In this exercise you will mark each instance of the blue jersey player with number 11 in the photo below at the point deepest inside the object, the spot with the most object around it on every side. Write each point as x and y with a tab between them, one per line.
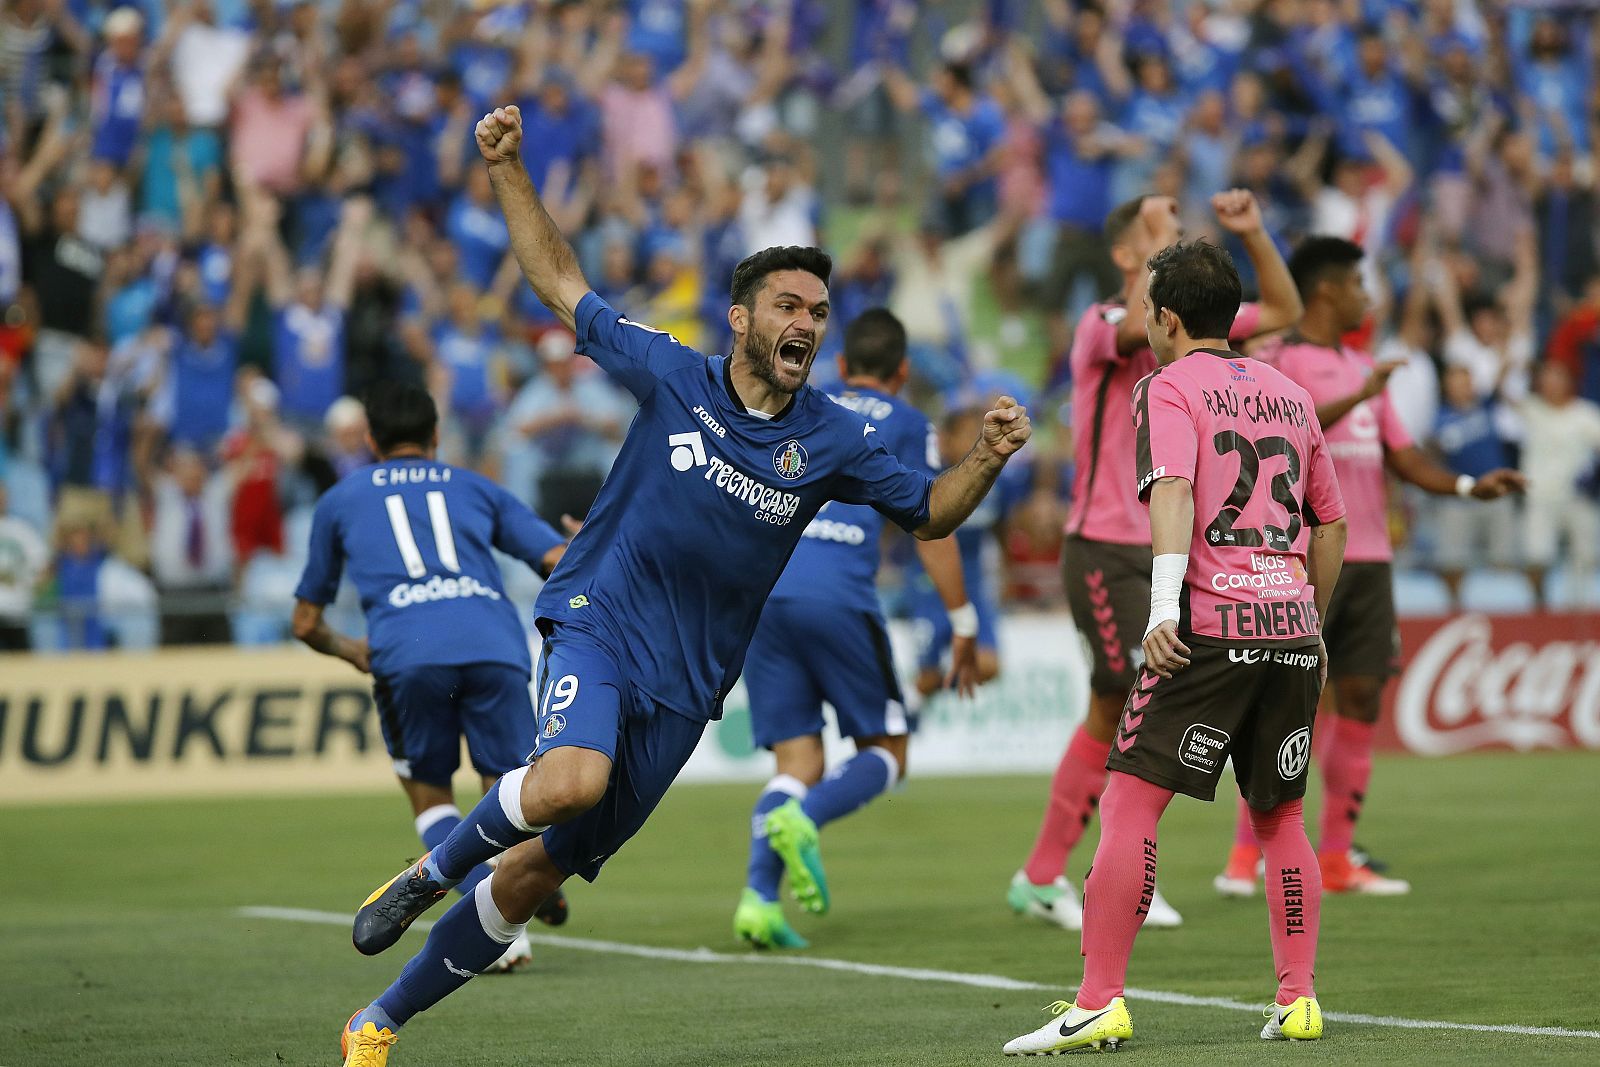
447	653
647	617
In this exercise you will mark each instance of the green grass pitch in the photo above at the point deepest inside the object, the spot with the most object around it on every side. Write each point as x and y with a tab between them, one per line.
121	941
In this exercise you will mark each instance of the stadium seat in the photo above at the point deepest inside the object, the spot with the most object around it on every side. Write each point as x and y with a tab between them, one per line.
266	599
1564	591
1497	591
29	489
128	604
1420	593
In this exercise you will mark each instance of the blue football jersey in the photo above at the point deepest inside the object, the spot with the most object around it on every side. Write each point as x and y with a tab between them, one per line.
415	536
702	509
837	559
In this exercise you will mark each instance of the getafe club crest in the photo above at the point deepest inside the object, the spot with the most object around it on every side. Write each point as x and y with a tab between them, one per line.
554	725
789	460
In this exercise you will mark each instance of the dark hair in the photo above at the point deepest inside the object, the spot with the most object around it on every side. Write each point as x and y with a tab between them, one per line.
1316	258
960	73
399	413
753	269
1123	216
1196	281
875	344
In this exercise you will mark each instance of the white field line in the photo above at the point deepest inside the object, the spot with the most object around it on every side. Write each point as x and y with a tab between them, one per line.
920	974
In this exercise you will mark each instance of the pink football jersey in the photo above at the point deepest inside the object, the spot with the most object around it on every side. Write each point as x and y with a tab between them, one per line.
1104	505
1247	439
1357	442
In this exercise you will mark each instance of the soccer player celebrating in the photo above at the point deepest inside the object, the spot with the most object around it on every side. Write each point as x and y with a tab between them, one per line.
1105	561
648	615
822	637
446	650
1239	481
1365	437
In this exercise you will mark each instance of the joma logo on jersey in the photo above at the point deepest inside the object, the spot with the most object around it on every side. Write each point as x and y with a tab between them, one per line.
711	423
790	460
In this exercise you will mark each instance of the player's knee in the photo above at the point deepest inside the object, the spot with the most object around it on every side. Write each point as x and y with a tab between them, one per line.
1360	699
566	788
893	750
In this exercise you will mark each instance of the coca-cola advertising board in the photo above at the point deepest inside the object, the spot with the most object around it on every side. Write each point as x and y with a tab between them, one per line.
1519	682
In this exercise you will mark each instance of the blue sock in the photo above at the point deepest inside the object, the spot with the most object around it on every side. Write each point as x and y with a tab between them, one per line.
467	939
853	783
766	869
487	831
433	826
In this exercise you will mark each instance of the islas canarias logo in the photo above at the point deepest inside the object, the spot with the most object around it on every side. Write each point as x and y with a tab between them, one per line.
789	460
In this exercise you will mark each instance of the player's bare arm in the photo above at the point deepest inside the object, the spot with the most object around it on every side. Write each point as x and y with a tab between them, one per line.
1171	530
1377	381
1240	214
546	258
1413	465
1324	560
310	628
1159	216
941	560
957	492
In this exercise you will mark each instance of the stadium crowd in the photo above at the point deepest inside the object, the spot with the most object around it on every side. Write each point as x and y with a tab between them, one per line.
223	220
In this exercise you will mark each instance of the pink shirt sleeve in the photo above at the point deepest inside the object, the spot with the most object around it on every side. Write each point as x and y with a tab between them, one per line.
1247	323
1095	340
1167	439
1323	502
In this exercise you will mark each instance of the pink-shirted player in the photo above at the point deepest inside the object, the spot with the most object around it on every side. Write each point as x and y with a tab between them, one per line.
1247	529
1366	439
1105	561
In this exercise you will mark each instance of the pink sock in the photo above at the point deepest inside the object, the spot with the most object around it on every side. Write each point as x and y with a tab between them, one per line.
1116	896
1346	769
1074	792
1294	897
1243	833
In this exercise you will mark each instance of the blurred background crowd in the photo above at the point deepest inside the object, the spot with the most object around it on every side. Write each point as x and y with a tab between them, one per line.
224	219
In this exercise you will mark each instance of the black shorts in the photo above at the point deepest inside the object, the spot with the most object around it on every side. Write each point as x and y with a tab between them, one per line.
1254	704
1361	630
1108	590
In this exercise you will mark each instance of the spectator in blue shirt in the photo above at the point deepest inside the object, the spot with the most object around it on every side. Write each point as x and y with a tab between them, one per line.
117	108
964	132
1471	532
478	229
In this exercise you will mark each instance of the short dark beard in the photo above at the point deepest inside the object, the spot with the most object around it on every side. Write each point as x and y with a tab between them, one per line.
760	351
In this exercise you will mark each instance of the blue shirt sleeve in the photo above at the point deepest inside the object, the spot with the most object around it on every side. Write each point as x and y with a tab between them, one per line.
319	582
874	476
635	356
518	532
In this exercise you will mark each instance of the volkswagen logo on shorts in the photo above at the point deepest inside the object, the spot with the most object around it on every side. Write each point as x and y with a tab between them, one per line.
556	723
1294	753
789	460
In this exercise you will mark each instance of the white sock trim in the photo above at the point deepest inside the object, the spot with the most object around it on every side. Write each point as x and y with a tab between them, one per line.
510	790
888	761
787	783
494	924
436	814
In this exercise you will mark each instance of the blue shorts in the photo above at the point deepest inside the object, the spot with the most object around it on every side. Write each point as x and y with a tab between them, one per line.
933	625
584	702
805	652
424	712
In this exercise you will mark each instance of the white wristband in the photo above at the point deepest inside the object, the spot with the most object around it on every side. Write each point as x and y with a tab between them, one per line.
964	620
1465	485
1166	587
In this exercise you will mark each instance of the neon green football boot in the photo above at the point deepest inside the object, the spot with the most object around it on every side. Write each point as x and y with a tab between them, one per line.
761	923
793	836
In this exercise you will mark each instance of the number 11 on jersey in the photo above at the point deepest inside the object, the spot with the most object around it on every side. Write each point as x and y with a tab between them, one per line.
444	539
